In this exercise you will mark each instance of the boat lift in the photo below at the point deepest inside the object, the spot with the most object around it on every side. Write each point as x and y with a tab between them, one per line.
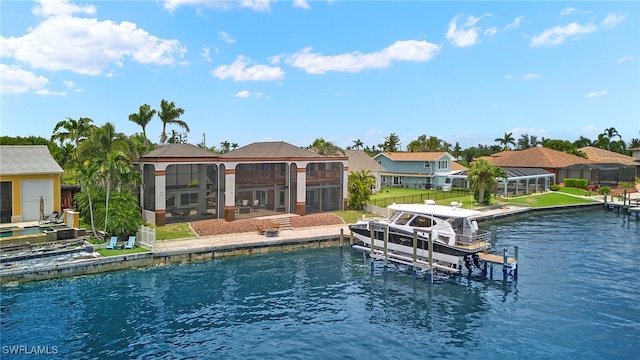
509	265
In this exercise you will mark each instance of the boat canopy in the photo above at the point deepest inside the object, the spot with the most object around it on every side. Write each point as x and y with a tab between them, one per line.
435	210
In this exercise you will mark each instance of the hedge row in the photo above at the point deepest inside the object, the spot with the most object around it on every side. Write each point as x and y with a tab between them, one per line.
576	183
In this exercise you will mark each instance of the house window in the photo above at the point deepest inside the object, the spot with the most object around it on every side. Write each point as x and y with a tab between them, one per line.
379	162
443	165
427	164
397	180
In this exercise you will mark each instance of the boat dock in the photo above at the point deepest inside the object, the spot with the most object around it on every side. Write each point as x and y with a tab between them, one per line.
628	204
509	265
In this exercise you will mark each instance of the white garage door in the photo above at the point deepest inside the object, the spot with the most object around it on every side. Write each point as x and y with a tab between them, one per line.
31	192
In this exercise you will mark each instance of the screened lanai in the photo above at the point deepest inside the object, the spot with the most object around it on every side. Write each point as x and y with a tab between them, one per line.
519	181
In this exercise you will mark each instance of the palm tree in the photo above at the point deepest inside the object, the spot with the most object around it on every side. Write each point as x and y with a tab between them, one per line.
357	144
170	114
75	131
225	145
85	177
506	141
391	143
142	118
326	148
582	142
611	132
360	184
109	170
634	143
433	144
482	177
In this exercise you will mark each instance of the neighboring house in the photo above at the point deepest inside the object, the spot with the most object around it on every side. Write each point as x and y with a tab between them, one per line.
29	183
613	167
265	177
562	165
420	170
360	160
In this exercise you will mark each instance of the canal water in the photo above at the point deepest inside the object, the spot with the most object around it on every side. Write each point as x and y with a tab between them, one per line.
577	297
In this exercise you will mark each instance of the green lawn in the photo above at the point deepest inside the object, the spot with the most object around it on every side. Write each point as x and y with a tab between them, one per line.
574	191
114	252
352	216
550	199
174	231
388	196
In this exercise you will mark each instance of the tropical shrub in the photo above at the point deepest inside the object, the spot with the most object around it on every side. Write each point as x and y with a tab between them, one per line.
605	190
360	184
555	187
124	213
627	186
576	183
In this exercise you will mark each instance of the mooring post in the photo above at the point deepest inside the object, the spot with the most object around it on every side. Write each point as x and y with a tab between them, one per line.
430	258
350	238
505	262
386	241
372	246
341	236
515	255
415	253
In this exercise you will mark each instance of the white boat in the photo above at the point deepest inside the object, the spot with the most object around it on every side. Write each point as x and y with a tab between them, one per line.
457	240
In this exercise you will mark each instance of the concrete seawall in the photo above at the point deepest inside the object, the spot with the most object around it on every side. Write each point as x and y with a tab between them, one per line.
212	247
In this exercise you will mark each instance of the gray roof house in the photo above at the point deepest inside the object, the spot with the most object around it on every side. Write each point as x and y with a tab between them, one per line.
29	183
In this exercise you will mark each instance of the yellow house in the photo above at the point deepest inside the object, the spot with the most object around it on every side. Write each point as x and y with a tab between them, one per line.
29	183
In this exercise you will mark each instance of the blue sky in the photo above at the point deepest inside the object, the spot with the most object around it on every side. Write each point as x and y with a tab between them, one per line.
294	71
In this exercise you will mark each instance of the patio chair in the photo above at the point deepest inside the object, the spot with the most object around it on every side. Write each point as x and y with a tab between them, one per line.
256	205
131	243
111	245
261	229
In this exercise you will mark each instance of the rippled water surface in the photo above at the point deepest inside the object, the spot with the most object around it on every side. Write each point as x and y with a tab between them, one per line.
577	297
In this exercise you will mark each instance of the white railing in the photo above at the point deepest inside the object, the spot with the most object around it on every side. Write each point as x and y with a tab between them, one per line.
146	237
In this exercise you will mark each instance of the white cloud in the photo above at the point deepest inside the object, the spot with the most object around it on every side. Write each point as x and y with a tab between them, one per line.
246	94
567	11
491	31
624	59
14	80
612	20
515	23
257	5
86	45
69	84
461	37
225	37
45	92
239	71
301	4
205	54
595	94
559	34
61	7
530	76
316	63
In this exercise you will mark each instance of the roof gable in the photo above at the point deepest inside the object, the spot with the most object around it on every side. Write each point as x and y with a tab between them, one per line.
539	157
607	157
273	149
416	156
27	159
360	160
179	151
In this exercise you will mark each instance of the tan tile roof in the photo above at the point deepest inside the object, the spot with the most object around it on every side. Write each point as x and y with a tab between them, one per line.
415	156
27	159
179	151
539	157
607	157
273	149
360	160
455	166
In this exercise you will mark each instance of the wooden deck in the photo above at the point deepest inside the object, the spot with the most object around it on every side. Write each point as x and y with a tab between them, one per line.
495	259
